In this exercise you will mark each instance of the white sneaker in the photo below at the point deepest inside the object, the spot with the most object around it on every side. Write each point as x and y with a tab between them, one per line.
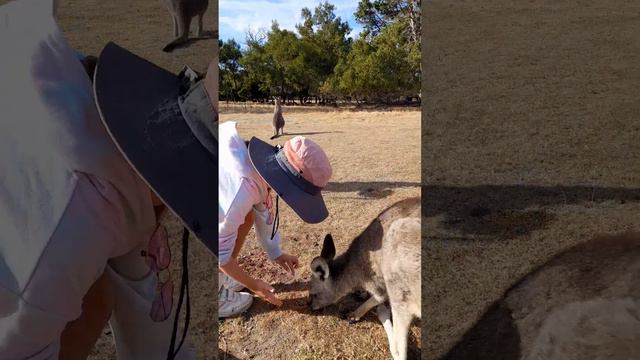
230	283
231	303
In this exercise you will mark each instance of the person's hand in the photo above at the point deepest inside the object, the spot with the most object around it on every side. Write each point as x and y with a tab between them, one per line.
288	262
265	292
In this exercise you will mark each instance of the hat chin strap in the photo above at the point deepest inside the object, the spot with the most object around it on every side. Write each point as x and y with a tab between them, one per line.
184	288
276	219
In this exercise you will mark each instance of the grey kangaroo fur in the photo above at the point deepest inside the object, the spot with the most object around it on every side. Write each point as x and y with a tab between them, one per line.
182	12
278	120
582	304
384	260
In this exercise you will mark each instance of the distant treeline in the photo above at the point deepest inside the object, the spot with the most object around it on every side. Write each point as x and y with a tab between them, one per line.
320	63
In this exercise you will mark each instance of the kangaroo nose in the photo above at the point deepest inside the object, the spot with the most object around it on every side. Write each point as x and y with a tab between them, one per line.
310	300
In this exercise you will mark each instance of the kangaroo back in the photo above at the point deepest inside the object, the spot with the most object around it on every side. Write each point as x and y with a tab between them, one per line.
361	265
585	299
401	264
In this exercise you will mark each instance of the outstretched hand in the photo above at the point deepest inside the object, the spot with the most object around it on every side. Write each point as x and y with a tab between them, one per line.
288	262
266	292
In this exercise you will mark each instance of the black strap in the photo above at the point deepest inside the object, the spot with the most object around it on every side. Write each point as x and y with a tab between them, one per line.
276	220
184	288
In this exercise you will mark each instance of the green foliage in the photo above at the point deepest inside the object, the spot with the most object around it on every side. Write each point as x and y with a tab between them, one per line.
380	70
378	14
321	60
229	64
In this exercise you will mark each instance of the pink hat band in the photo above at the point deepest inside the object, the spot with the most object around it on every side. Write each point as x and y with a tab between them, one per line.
309	160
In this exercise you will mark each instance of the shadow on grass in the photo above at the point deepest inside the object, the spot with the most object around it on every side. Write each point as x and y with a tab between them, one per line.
226	356
208	35
494	212
494	337
369	189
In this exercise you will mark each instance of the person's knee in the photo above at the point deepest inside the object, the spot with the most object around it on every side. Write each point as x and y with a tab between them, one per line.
98	303
80	335
99	299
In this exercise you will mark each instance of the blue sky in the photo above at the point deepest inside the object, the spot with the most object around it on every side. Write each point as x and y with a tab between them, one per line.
236	16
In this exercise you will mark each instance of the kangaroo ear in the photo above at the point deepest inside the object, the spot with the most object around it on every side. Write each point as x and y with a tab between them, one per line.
328	248
320	268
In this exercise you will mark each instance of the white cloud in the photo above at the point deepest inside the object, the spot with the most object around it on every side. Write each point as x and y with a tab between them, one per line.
238	16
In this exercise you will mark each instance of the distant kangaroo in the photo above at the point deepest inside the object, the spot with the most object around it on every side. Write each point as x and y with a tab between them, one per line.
182	12
278	120
384	260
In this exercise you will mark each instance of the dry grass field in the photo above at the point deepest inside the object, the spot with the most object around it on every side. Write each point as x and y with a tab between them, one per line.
143	27
376	163
531	144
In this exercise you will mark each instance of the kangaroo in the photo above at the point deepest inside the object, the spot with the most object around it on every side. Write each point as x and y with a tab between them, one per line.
584	303
384	260
182	12
278	120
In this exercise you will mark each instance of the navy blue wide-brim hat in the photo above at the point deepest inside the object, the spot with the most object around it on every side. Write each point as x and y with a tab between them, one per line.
166	127
297	172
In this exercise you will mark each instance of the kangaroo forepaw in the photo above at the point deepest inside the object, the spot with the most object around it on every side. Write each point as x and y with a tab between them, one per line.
353	318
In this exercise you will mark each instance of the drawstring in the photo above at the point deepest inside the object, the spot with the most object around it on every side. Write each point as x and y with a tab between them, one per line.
184	288
276	220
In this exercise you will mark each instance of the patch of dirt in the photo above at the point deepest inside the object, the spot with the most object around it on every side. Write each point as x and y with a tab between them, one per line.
256	262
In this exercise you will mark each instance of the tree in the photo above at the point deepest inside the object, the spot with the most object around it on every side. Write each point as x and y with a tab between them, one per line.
230	69
256	68
319	59
284	55
382	69
325	42
377	14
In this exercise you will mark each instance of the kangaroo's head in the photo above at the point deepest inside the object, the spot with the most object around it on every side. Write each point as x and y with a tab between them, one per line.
322	292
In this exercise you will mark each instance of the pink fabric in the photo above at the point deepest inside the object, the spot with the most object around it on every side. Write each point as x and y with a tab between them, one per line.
240	190
250	197
308	158
95	228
